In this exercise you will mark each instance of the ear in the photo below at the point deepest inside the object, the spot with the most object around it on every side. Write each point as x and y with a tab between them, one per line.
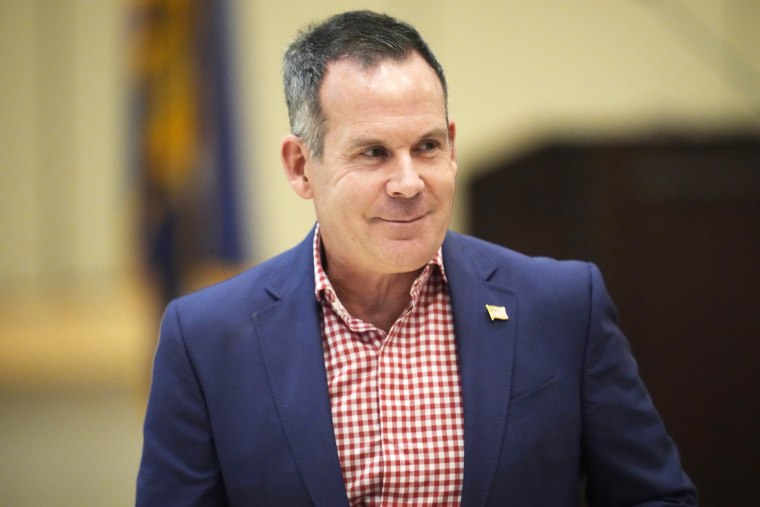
294	155
452	145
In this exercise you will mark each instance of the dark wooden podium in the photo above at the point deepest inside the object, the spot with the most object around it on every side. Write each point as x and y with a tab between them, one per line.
675	228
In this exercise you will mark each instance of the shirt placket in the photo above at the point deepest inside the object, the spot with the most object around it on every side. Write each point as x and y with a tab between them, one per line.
394	410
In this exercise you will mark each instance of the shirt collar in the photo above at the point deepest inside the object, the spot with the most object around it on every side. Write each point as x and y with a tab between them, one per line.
322	284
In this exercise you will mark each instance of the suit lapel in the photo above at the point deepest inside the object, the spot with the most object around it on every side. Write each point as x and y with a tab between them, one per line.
290	339
289	335
486	351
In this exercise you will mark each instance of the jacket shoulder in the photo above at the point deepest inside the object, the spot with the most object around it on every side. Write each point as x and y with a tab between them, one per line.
503	265
251	290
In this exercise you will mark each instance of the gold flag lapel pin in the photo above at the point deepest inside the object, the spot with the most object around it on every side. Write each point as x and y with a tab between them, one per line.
497	312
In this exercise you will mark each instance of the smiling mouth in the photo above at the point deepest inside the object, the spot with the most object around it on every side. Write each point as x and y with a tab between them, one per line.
404	220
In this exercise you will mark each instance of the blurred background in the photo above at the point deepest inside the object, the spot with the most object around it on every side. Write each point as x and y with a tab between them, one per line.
139	160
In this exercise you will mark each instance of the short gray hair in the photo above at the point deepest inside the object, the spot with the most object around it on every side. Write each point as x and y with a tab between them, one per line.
364	36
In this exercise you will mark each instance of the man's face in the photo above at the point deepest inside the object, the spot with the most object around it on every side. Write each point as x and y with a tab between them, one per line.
384	189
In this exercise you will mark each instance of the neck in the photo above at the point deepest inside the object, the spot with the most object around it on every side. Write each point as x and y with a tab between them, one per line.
378	300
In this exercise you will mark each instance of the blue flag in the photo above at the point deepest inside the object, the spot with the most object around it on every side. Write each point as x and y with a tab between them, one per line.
183	137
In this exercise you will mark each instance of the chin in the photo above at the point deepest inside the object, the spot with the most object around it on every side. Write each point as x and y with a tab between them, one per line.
405	258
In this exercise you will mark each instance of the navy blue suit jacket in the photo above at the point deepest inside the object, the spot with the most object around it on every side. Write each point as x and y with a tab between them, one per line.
239	412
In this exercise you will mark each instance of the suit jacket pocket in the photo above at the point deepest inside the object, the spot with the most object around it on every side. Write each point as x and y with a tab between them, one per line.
533	400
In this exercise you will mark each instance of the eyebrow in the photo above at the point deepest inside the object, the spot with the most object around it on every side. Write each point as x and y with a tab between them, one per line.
373	141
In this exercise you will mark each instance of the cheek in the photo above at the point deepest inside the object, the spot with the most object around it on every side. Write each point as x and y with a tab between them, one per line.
341	202
359	190
442	185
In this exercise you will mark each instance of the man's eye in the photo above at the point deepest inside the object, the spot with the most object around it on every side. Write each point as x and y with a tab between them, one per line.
374	152
428	145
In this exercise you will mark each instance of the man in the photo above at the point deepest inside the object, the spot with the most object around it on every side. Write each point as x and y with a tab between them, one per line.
385	360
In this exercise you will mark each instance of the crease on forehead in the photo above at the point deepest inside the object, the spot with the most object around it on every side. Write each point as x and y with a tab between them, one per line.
366	141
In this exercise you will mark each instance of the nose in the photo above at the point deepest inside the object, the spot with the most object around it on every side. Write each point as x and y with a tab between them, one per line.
404	181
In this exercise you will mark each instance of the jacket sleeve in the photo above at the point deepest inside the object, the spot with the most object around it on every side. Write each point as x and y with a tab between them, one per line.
629	458
179	464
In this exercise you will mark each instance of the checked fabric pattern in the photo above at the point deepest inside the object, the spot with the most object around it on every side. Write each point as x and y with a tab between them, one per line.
396	397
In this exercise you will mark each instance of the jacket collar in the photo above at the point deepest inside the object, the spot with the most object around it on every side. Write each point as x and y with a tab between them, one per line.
291	344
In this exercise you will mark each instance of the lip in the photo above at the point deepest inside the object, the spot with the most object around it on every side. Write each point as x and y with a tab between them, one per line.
404	221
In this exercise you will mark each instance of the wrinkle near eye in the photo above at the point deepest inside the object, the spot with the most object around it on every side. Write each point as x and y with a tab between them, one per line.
375	152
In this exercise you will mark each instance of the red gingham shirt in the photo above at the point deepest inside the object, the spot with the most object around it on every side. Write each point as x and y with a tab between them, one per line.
395	397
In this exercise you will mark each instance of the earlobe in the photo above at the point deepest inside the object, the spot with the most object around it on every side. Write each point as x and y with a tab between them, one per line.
293	154
452	137
452	145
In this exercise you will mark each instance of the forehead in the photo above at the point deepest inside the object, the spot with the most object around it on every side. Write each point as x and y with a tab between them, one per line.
350	74
407	89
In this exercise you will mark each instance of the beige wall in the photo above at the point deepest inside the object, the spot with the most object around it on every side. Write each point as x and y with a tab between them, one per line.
62	165
518	71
